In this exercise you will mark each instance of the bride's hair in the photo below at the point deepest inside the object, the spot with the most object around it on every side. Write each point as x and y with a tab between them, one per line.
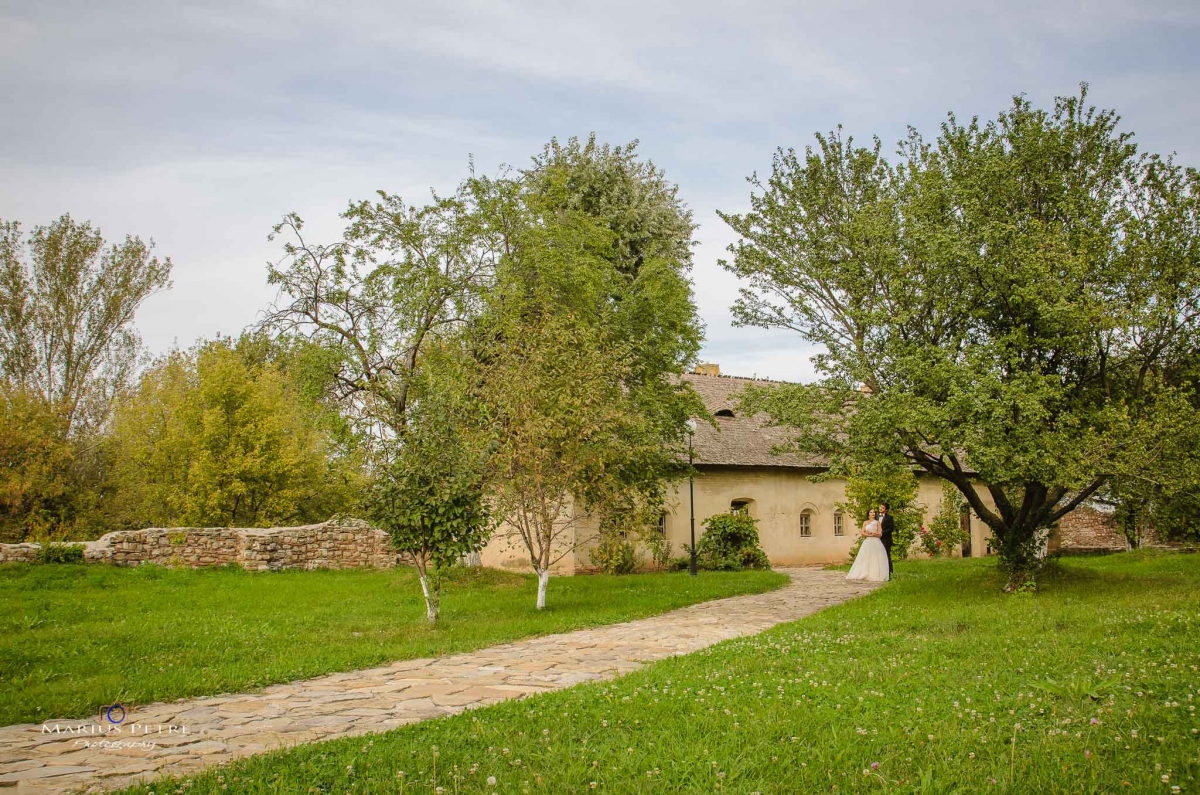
870	514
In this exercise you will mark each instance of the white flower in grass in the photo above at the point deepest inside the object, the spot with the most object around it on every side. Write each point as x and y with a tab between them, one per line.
491	781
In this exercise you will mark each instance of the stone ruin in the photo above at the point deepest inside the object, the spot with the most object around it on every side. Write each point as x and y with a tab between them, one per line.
336	544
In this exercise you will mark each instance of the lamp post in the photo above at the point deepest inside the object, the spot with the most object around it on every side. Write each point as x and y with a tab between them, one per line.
691	431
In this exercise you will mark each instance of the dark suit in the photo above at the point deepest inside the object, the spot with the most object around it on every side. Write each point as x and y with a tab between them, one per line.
887	524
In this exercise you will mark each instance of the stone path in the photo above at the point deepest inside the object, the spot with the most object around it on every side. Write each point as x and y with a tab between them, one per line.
212	730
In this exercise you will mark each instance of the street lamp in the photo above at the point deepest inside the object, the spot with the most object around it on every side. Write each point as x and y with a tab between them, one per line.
691	432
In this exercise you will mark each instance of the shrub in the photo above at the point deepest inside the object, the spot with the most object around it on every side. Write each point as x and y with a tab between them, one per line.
614	555
945	532
52	552
730	543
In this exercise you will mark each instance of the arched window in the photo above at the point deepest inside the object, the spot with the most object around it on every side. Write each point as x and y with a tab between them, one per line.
662	524
741	507
806	523
838	527
724	413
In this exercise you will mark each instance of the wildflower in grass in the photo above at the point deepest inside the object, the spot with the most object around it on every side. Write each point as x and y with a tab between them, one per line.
874	765
491	781
1087	754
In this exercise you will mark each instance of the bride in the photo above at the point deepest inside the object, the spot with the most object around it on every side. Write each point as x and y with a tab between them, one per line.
870	565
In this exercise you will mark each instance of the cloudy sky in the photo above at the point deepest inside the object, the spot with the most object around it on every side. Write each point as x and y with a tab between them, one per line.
200	124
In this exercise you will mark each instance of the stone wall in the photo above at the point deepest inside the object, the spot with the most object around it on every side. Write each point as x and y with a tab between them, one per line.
1086	529
329	545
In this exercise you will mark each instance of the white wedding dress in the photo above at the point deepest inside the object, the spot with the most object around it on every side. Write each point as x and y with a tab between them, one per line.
870	565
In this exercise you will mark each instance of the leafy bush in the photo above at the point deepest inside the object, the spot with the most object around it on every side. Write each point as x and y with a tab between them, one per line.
730	543
614	555
52	552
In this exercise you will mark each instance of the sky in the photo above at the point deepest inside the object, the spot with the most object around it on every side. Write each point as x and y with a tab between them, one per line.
200	124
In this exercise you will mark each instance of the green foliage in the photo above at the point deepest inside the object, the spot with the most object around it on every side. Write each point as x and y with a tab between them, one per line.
428	494
200	632
68	352
945	532
36	467
1017	299
53	552
868	486
729	543
614	554
216	436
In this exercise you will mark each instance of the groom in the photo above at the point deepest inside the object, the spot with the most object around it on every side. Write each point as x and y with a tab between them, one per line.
887	524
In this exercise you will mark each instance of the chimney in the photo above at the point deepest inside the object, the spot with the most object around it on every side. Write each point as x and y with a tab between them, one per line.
707	368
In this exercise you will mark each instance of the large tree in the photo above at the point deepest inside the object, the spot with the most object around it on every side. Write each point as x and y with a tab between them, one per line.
1016	303
67	303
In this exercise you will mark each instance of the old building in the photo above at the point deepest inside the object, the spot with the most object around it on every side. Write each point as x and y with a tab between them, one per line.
799	521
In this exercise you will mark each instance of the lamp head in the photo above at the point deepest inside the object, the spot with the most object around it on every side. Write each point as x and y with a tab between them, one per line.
691	426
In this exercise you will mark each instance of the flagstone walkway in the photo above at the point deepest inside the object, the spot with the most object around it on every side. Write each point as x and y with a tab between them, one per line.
213	730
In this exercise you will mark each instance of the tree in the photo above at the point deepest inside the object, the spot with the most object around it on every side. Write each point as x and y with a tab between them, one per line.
1017	303
402	281
568	440
580	346
210	439
66	315
428	494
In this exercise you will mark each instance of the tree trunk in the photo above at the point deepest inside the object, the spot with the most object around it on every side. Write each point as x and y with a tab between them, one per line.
543	581
431	591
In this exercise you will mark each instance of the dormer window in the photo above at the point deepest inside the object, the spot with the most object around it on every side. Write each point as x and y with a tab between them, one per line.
724	413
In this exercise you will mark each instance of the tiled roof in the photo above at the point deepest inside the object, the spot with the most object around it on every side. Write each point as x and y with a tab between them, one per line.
738	440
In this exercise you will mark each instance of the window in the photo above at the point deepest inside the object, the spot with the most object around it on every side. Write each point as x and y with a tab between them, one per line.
740	507
837	524
724	413
806	524
662	524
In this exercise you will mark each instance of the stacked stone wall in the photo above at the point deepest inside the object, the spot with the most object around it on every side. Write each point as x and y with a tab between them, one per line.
329	545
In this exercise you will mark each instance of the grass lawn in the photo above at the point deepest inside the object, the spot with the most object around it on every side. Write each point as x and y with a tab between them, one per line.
73	637
936	684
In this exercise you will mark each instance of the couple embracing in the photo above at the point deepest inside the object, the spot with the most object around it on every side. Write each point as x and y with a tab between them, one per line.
874	560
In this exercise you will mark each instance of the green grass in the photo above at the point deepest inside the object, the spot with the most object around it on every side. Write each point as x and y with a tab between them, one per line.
73	637
947	685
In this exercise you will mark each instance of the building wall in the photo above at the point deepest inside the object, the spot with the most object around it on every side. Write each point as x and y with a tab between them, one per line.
506	549
778	496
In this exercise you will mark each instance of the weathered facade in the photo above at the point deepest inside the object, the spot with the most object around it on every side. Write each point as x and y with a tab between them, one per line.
799	520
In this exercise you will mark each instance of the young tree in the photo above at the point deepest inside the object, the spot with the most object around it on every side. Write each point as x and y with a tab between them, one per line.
568	438
428	492
399	285
210	439
1020	300
66	315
